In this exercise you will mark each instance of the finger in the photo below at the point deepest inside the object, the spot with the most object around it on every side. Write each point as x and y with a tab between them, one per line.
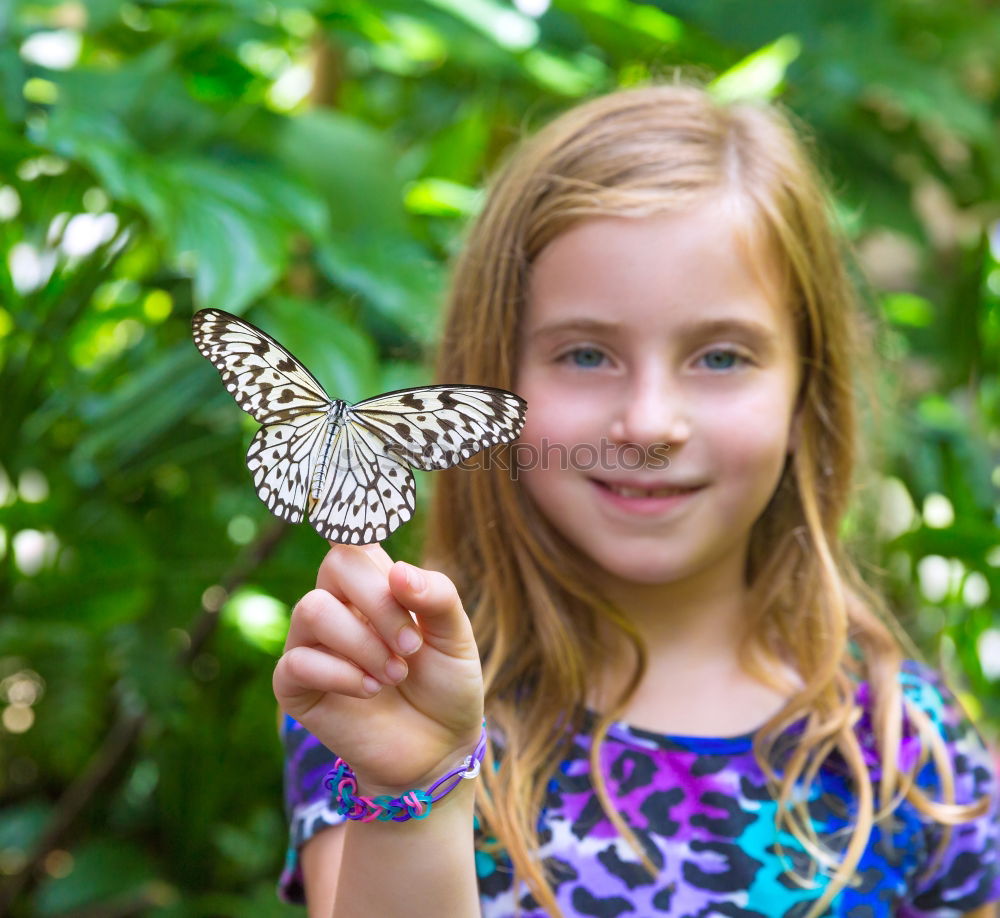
305	671
326	578
359	576
434	599
320	619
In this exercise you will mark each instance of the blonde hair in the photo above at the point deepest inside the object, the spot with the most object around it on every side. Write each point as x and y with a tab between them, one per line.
535	608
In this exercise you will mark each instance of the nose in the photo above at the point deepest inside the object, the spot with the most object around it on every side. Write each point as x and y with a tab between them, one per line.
654	410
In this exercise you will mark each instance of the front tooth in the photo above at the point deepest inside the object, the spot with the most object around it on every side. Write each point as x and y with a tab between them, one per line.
642	492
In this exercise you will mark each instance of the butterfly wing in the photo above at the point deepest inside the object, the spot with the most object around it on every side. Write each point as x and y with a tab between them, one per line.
365	494
267	382
352	480
436	427
282	461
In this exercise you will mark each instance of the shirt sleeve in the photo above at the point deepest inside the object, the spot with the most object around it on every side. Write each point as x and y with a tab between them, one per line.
307	801
968	874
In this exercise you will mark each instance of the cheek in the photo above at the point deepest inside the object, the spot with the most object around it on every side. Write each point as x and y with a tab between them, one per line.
557	423
543	426
545	443
751	433
557	415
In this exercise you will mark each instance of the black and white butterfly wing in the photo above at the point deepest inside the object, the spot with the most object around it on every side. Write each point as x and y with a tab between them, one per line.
267	382
345	468
436	427
273	387
282	460
366	492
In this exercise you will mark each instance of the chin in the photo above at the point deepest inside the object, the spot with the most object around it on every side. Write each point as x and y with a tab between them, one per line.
638	568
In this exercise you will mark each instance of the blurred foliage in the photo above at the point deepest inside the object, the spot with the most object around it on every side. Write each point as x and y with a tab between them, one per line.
312	163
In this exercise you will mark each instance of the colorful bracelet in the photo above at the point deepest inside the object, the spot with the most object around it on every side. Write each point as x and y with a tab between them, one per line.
414	804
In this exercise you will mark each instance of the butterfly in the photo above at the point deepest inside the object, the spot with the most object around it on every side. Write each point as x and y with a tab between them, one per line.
345	467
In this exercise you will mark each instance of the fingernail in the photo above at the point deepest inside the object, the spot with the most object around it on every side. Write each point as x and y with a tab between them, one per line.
408	640
395	670
371	686
415	578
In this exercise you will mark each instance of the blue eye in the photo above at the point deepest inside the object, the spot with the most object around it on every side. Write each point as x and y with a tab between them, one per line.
586	357
721	359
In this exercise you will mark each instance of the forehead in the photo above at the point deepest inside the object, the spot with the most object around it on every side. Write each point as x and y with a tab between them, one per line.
654	270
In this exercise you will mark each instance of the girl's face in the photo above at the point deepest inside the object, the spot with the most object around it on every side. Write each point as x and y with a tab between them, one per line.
660	369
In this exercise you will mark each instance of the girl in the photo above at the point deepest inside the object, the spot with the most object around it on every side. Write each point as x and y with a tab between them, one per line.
694	705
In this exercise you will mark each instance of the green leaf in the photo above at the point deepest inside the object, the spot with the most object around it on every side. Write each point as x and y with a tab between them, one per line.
760	75
350	164
507	27
968	538
568	76
441	197
908	309
232	254
99	141
395	274
397	374
338	354
141	409
102	869
12	78
456	151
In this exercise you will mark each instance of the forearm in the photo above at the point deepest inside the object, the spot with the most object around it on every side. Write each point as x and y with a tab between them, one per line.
424	867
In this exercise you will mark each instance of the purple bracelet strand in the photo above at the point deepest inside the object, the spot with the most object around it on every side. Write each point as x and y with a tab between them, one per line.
414	804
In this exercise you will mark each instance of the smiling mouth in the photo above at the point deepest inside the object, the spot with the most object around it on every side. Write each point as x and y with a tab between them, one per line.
630	491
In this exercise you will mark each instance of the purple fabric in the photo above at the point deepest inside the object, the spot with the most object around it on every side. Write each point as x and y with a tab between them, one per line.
701	808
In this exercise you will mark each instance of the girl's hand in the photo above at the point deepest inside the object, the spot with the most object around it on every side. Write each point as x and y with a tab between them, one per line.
397	731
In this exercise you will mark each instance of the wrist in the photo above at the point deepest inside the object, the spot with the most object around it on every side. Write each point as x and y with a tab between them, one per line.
460	799
365	803
446	764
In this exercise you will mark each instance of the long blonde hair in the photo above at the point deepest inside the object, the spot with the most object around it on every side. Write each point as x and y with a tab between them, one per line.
533	602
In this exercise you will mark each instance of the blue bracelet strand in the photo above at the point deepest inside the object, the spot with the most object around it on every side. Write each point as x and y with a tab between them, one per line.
414	804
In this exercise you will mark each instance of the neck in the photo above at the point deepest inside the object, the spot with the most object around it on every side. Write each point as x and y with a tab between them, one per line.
692	630
690	622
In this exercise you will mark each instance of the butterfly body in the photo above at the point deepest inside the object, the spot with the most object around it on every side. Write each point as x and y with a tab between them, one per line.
345	468
335	421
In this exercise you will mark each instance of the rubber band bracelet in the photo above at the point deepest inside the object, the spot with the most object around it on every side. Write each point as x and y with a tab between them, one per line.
415	804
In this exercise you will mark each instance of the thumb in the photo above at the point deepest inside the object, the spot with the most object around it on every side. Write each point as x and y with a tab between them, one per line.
433	598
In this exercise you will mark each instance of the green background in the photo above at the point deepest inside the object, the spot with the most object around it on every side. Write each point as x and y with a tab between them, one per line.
312	165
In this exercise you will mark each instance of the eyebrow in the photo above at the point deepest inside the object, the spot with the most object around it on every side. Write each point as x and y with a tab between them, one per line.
757	332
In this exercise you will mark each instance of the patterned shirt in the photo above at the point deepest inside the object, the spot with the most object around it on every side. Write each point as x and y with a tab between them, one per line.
703	812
